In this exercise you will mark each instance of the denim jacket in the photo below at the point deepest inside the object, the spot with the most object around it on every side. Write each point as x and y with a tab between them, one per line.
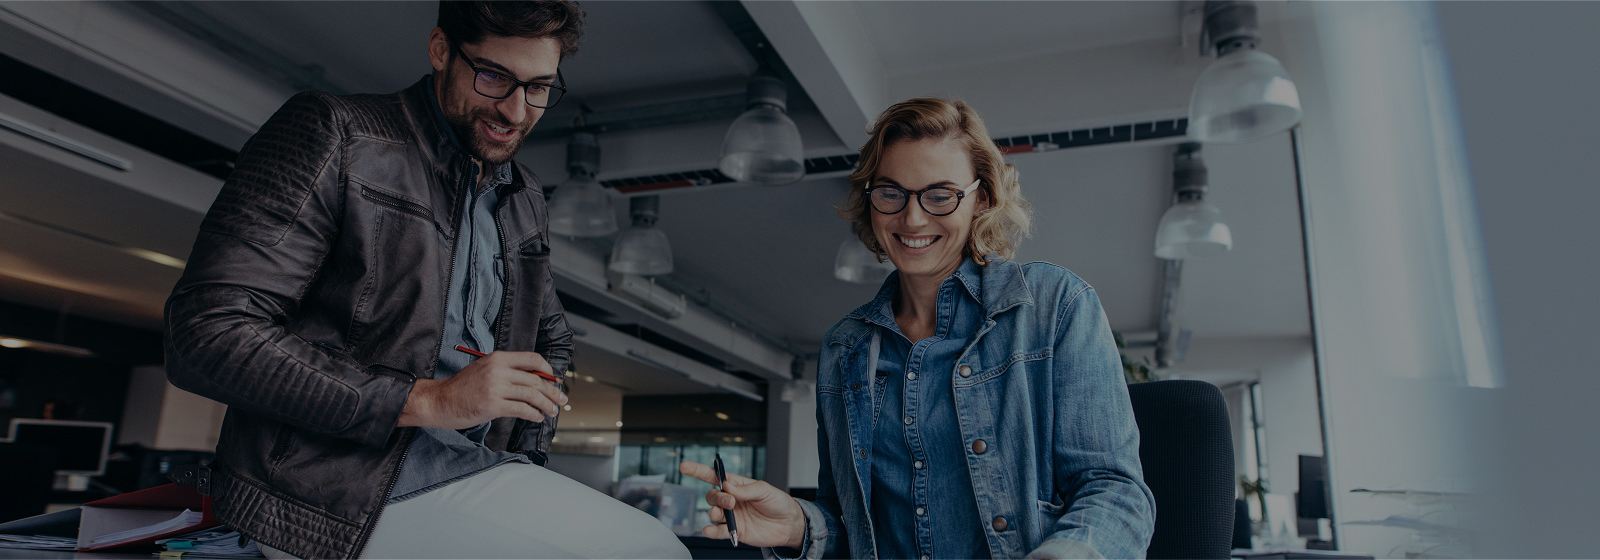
1052	447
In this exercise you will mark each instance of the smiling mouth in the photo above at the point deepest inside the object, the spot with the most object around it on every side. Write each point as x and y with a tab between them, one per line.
917	242
499	133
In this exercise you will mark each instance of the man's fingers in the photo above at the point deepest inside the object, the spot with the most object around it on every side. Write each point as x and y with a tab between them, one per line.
519	409
532	397
525	361
717	516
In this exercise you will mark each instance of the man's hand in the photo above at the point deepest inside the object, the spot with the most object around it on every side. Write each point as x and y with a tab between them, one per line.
499	385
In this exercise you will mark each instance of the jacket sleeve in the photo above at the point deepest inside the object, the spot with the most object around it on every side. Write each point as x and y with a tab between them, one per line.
554	343
259	250
1110	512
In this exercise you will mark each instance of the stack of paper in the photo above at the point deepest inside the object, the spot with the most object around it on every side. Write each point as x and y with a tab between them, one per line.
38	542
215	543
185	519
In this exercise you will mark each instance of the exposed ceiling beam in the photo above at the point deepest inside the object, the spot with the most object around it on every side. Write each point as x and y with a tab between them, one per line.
582	274
611	340
829	53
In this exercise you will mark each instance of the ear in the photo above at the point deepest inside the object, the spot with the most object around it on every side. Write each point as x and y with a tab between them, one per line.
438	50
983	202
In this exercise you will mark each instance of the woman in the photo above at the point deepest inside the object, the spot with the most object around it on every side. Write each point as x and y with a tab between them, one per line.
976	406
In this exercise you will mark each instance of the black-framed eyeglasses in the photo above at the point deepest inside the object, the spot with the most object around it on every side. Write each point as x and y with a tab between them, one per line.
497	85
936	201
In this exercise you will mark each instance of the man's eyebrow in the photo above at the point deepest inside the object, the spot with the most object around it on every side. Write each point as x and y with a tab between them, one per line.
507	71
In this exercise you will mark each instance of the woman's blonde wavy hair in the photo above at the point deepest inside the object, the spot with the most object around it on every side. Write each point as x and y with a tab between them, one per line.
996	231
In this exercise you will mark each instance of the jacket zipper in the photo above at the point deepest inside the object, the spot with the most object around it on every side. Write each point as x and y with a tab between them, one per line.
405	438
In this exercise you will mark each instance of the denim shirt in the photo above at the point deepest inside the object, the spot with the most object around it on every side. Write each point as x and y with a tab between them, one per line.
917	453
1042	413
437	455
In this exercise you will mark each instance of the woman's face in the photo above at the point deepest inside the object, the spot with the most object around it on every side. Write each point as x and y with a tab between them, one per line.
918	243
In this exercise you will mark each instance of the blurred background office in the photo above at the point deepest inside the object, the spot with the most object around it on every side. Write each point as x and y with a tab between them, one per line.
1389	286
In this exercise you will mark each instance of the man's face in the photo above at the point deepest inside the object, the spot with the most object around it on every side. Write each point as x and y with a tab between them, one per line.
492	128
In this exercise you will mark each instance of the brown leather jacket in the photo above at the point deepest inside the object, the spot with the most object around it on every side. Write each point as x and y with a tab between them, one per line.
314	298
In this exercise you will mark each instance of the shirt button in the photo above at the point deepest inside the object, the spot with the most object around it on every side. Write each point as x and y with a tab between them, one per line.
862	453
921	511
908	420
980	447
916	465
965	370
924	557
1000	524
912	376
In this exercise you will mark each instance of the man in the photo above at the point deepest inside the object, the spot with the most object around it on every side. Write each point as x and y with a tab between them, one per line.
358	242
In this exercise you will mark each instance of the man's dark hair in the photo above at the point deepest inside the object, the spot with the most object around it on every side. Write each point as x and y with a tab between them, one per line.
470	22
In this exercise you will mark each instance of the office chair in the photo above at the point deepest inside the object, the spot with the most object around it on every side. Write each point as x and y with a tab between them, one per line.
1187	451
27	475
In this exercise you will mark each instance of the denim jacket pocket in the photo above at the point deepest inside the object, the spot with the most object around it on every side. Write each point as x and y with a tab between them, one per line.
1001	368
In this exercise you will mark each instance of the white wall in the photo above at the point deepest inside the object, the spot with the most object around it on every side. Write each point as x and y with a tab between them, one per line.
1404	364
1526	82
160	416
1285	367
792	459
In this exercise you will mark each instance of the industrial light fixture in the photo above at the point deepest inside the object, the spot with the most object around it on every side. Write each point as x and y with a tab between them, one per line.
763	145
1246	94
854	263
19	343
642	249
1192	227
581	207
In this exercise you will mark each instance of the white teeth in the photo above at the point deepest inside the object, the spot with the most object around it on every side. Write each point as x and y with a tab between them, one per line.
917	242
499	130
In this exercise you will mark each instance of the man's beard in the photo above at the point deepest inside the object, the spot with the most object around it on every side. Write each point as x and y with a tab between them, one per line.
495	153
466	130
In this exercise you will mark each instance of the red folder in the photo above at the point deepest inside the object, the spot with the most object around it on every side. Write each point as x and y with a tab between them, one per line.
143	508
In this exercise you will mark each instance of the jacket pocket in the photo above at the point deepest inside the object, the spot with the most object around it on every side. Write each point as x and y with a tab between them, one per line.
280	445
399	203
534	246
1015	360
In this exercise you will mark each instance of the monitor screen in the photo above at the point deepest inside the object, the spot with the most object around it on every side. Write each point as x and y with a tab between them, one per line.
81	447
1312	499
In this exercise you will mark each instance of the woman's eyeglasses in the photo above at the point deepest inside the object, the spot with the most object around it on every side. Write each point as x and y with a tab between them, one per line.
936	201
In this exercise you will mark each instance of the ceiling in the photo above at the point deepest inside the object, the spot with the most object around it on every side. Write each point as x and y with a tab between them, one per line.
762	254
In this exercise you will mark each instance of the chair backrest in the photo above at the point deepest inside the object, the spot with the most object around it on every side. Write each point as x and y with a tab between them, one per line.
1186	448
27	473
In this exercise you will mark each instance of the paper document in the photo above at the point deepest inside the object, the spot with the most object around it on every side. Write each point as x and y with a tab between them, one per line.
185	519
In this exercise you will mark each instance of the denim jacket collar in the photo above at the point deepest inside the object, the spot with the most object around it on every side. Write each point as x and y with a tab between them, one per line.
999	285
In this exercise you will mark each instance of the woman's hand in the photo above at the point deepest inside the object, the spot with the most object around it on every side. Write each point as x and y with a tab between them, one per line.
765	515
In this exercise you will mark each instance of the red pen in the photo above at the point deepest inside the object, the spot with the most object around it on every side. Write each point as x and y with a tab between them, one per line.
476	353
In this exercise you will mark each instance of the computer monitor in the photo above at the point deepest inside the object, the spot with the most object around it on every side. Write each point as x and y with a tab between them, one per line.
1311	502
81	447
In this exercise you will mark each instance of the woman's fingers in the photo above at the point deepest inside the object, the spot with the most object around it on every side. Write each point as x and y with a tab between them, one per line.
719	532
702	472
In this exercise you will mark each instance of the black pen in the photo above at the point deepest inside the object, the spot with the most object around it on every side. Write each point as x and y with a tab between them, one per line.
722	481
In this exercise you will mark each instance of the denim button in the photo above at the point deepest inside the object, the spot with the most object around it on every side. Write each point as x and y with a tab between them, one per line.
912	376
916	465
921	511
965	370
908	420
980	447
862	453
1000	524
